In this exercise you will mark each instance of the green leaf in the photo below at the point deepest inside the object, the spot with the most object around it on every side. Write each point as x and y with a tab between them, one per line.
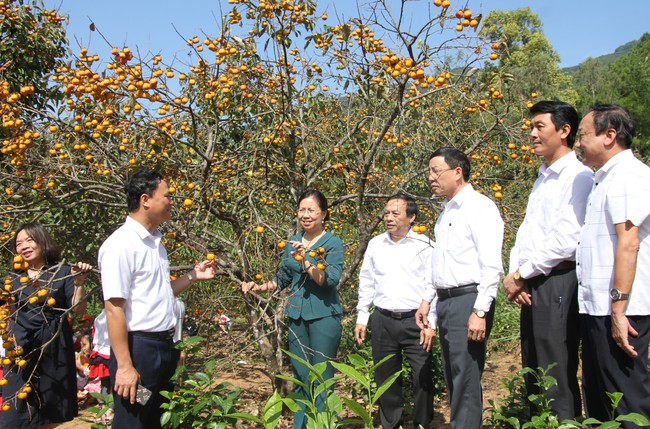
609	425
245	416
357	360
273	409
164	419
292	405
385	385
357	409
615	398
635	418
352	373
292	379
202	377
375	366
334	404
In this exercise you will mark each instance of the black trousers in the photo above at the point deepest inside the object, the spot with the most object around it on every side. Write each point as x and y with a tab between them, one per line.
463	360
155	360
606	368
392	336
550	333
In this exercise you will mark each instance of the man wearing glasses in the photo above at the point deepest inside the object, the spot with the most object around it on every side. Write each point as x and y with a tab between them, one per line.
466	271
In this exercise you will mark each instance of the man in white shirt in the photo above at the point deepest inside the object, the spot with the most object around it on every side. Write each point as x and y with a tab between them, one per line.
466	271
542	274
394	274
139	302
613	260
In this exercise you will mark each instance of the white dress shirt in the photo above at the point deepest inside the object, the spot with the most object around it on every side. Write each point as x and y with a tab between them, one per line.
395	275
554	215
134	266
621	193
469	236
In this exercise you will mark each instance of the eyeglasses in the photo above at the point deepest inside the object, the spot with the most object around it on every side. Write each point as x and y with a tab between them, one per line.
581	135
308	211
436	174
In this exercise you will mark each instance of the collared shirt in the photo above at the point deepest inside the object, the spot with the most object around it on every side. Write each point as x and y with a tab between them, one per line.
395	275
469	236
554	215
307	300
134	266
621	193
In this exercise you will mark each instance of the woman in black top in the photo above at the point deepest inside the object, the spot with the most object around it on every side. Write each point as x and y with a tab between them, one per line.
40	387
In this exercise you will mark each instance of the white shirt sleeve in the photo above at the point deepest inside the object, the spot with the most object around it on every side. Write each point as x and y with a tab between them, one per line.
366	287
116	271
561	241
487	234
430	290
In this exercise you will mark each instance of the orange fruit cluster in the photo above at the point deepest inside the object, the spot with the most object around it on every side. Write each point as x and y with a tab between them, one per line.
466	19
420	229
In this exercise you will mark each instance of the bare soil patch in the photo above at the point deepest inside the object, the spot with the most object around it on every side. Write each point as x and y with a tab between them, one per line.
256	387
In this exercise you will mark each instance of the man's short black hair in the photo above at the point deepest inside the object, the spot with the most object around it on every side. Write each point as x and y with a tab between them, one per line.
454	158
561	114
141	182
411	205
613	116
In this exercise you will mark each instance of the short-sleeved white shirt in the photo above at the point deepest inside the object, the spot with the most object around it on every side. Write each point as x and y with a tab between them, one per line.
134	266
621	193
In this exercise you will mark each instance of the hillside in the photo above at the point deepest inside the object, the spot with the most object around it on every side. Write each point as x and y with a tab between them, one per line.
607	58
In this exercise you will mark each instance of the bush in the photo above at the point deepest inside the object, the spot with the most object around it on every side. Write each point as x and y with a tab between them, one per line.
199	401
514	411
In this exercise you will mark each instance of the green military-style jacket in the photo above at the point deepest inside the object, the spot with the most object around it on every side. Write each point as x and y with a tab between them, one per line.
307	300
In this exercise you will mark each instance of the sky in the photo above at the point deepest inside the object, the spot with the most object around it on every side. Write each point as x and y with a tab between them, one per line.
577	29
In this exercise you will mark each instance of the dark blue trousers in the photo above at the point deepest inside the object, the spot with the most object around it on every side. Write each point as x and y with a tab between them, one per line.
155	360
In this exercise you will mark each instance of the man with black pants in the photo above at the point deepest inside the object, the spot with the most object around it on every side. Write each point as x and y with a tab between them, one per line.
139	302
542	276
613	259
395	271
466	271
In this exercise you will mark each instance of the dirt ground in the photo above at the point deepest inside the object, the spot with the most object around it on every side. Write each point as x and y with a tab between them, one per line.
256	388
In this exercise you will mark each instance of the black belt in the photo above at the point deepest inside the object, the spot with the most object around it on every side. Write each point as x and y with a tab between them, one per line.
456	291
399	315
163	335
564	265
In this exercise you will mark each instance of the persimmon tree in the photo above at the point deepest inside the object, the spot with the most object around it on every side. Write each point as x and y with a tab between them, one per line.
277	102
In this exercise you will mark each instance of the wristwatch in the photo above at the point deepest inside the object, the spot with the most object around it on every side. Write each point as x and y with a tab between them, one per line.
517	275
479	313
190	277
617	295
